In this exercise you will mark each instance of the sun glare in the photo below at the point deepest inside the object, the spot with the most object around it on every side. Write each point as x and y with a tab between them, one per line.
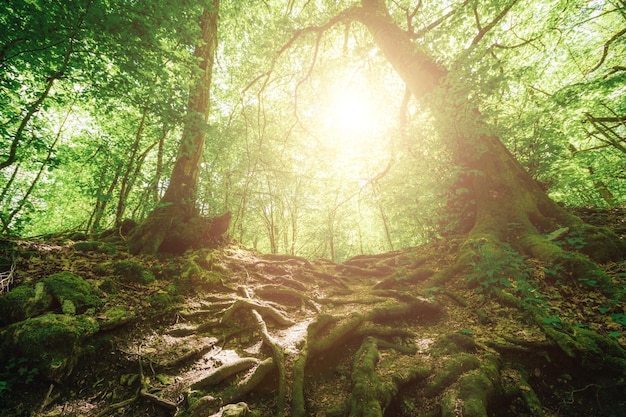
351	113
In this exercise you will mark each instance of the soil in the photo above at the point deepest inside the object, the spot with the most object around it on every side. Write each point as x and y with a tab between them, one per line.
374	335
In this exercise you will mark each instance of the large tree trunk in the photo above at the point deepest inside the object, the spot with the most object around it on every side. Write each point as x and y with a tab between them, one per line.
174	224
506	197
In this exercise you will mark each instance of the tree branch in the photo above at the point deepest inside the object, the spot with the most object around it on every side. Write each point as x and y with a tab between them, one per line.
482	31
605	49
420	33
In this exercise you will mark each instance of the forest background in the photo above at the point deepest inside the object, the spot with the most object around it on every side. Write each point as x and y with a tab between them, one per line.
313	142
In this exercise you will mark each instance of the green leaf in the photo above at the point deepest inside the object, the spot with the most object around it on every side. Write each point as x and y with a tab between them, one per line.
619	318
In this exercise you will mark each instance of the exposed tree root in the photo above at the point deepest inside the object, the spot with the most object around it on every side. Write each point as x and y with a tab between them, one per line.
224	371
305	339
265	310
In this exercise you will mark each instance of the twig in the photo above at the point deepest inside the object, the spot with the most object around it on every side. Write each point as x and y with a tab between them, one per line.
46	400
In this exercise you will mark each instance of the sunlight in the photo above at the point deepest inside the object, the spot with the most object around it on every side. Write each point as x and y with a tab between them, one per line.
352	123
352	117
352	112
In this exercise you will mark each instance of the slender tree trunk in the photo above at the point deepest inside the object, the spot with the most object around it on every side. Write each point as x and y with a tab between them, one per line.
103	200
125	186
35	106
383	215
176	219
44	164
158	172
7	186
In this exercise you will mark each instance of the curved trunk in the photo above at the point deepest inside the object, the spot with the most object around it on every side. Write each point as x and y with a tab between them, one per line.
509	204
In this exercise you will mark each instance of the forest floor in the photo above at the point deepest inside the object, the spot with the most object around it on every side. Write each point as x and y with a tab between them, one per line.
191	334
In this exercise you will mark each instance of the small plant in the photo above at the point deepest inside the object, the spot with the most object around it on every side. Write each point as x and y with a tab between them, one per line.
493	266
553	271
574	240
619	318
433	291
16	372
554	321
588	281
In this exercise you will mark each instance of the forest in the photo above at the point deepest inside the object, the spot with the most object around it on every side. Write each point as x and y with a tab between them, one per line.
313	208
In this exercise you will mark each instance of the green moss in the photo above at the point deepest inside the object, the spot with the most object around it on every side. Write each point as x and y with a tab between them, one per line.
13	305
368	392
108	286
163	300
103	269
131	271
66	286
192	271
23	302
86	246
456	343
68	307
78	236
107	248
588	272
115	316
52	342
602	244
454	367
599	352
473	390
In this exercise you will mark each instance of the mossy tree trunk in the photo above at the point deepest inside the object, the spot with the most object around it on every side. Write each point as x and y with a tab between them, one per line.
176	214
509	205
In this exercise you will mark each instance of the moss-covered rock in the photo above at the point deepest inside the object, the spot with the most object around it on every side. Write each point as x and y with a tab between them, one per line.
86	246
66	287
163	301
23	302
78	236
51	342
12	305
131	271
114	317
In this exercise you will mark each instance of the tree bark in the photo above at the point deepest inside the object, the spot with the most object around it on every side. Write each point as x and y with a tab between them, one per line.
175	221
506	196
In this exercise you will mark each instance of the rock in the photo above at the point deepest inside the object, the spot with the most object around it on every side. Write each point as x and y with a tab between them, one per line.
235	410
52	343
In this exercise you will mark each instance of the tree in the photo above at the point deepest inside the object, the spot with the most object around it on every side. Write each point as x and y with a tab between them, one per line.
505	195
175	222
512	217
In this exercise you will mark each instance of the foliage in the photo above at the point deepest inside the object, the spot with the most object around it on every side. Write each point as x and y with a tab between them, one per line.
496	266
16	374
94	96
